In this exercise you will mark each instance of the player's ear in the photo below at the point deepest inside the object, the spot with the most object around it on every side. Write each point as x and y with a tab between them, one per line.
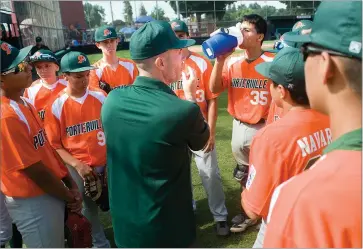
159	62
56	68
97	44
282	91
260	37
328	67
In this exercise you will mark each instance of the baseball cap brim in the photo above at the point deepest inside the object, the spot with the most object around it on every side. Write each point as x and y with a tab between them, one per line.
23	53
184	43
264	69
81	69
109	38
297	38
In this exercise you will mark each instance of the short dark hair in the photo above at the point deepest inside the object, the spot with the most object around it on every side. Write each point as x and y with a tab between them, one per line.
258	21
298	94
352	68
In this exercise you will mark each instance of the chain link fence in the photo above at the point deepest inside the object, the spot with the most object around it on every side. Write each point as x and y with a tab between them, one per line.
40	18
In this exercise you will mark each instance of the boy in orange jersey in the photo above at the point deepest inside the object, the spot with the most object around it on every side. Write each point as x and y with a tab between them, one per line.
48	85
322	207
292	143
111	71
35	182
73	126
248	97
206	159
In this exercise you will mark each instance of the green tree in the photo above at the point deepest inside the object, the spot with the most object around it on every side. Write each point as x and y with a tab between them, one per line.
201	7
94	14
301	7
128	12
159	14
143	11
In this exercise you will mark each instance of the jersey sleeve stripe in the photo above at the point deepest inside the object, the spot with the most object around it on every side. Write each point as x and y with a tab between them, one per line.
33	91
234	60
266	58
202	64
99	72
63	82
129	66
98	95
58	106
20	114
274	198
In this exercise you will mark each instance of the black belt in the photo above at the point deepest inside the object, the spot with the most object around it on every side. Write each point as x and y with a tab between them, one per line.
259	122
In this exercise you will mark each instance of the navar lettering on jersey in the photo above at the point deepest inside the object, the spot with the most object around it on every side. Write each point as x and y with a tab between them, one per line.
178	85
313	142
39	139
249	83
85	127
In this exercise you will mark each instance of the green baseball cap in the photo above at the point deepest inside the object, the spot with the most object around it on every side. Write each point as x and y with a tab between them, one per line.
342	34
11	56
154	38
179	26
287	68
104	33
44	55
74	62
302	25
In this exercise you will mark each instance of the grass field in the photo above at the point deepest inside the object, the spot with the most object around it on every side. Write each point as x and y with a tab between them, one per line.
206	236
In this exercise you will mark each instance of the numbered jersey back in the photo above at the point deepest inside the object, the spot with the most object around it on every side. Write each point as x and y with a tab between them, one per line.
75	125
248	91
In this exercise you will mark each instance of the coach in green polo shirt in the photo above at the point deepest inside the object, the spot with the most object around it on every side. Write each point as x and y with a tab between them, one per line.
149	133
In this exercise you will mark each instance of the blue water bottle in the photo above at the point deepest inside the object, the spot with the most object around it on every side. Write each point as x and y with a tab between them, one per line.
222	41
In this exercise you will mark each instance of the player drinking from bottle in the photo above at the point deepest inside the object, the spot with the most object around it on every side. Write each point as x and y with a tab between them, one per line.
248	97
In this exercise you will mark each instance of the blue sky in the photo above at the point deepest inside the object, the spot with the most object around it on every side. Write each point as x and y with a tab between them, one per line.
117	7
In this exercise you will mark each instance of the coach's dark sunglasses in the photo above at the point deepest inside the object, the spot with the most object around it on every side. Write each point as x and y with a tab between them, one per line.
307	49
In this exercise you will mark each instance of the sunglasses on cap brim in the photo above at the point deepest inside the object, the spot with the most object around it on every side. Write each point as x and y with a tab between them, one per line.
309	48
21	67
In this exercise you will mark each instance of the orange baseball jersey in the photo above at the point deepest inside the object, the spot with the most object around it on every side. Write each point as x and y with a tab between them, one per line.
249	95
282	150
322	207
23	143
75	125
274	113
39	93
125	74
203	69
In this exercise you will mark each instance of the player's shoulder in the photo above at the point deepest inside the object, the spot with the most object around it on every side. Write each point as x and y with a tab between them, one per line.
120	59
200	61
97	94
267	56
62	82
235	60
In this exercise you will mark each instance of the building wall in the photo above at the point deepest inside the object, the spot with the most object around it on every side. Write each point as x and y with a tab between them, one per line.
72	13
40	18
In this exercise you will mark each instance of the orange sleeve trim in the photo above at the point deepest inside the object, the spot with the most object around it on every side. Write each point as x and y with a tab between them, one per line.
250	207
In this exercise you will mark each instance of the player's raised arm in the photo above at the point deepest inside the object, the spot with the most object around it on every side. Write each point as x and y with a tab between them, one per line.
216	79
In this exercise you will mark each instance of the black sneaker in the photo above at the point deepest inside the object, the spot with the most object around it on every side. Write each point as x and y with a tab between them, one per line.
222	228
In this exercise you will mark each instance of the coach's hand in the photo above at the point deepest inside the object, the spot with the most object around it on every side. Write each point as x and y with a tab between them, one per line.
189	84
210	144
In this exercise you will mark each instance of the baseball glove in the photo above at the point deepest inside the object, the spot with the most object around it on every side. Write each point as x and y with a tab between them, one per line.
102	201
93	188
77	231
105	87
